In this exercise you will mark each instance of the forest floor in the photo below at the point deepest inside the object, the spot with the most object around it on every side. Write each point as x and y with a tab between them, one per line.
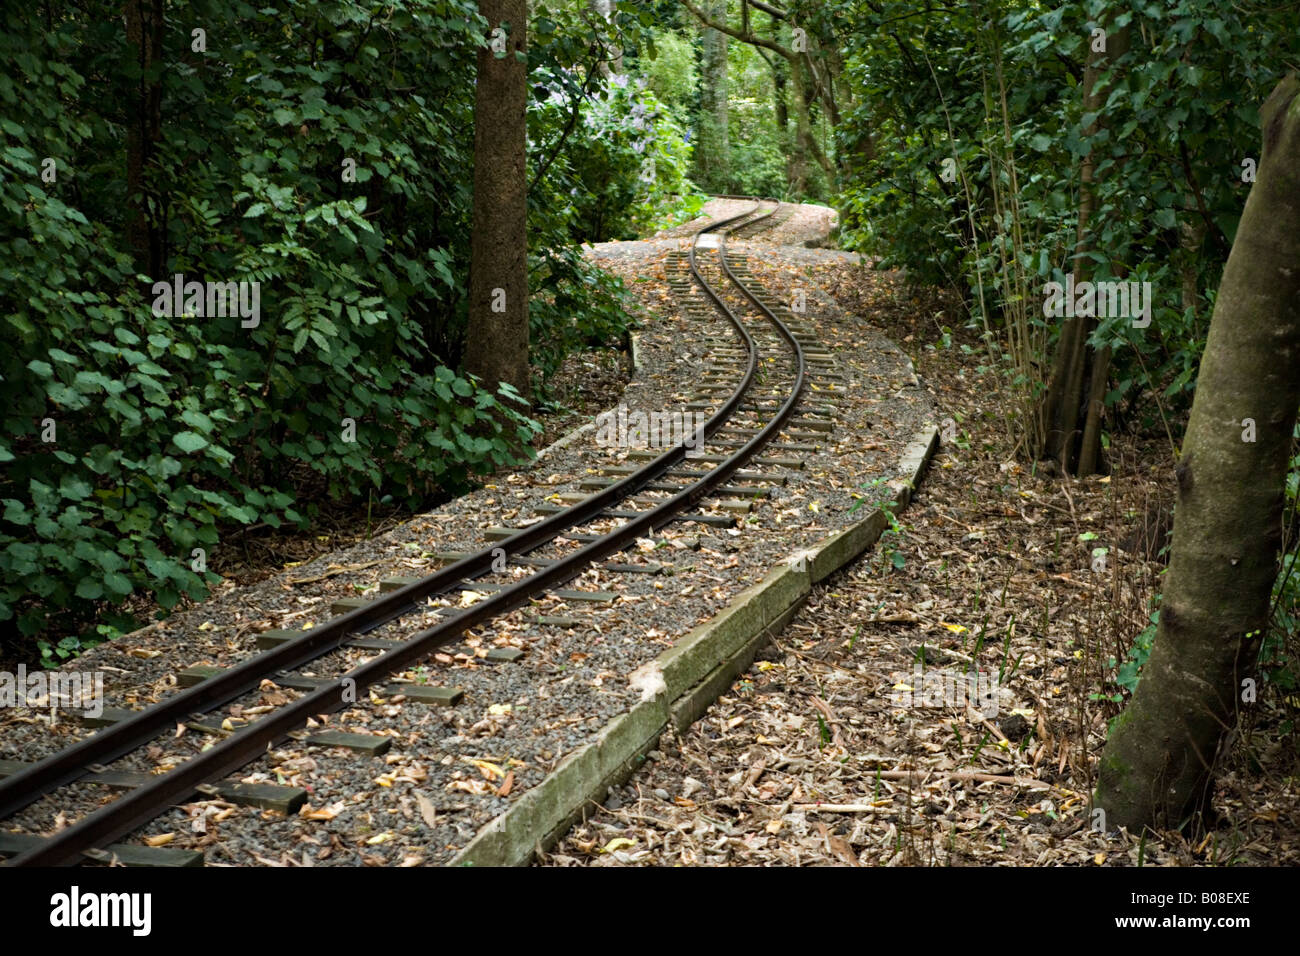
816	756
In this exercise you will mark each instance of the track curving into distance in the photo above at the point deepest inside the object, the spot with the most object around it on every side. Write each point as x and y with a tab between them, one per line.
141	804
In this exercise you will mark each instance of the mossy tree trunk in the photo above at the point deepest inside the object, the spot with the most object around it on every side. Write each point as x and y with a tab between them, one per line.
1157	769
496	347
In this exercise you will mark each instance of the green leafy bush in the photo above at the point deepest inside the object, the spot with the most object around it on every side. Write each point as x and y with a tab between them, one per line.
1168	153
321	151
626	162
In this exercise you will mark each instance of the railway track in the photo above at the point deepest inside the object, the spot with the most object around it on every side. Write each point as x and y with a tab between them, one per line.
780	216
757	381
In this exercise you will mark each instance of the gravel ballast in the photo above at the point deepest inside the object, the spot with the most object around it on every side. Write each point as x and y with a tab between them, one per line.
451	770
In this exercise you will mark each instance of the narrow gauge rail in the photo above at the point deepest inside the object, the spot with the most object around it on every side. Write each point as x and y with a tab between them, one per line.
141	804
780	216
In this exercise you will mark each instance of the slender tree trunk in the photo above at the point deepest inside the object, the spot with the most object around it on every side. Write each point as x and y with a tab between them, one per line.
1191	235
613	66
496	348
798	166
845	99
1090	459
1157	768
782	108
803	125
144	32
1076	385
712	157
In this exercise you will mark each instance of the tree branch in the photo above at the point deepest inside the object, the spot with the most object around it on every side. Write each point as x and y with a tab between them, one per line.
568	129
1220	240
770	10
740	35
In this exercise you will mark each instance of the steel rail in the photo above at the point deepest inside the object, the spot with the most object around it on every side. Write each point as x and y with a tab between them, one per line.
143	803
28	785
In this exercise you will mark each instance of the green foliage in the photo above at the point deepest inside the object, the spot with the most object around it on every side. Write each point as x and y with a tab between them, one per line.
132	438
881	497
573	306
757	162
1178	119
625	167
613	165
669	70
1126	678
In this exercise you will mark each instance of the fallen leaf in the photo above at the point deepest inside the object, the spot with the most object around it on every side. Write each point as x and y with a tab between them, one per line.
507	785
489	770
427	810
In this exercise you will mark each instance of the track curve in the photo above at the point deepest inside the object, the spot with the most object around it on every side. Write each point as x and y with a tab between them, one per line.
143	803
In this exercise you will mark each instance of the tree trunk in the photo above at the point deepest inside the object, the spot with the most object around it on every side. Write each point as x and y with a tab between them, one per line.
780	105
798	164
1157	768
712	157
1191	235
144	33
806	142
496	348
778	95
1077	382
